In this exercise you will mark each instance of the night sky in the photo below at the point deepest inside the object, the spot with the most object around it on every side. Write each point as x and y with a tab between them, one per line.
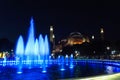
67	16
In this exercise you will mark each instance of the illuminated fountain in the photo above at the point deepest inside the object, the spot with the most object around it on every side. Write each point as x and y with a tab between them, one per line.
66	59
62	64
71	61
36	51
20	53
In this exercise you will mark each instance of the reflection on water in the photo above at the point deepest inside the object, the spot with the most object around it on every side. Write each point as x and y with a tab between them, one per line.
111	69
54	73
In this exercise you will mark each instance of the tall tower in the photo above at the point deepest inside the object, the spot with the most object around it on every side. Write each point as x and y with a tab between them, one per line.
102	33
52	38
51	34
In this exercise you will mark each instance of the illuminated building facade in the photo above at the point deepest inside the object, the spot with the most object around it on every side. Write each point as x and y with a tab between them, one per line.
73	39
76	38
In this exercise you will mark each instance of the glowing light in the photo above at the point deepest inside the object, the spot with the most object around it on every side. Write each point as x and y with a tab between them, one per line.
62	69
52	54
19	72
93	37
76	51
101	31
71	67
44	71
11	49
66	56
53	36
61	50
113	52
51	28
0	55
108	48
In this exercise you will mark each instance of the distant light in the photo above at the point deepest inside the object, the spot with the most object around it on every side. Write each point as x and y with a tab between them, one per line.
66	56
61	50
108	48
52	54
93	37
53	36
44	71
113	52
19	72
51	28
62	69
76	52
101	31
49	57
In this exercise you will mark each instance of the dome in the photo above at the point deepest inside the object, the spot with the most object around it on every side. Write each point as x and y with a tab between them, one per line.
75	38
76	35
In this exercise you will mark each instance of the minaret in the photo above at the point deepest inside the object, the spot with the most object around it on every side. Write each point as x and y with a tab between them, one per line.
53	41
51	34
102	33
52	38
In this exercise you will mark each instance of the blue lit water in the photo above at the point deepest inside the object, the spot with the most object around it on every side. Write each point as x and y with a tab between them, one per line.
80	70
32	52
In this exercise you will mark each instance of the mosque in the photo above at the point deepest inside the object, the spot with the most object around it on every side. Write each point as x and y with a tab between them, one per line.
74	38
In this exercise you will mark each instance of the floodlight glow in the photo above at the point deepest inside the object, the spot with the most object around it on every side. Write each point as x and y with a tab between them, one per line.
62	69
44	71
19	72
